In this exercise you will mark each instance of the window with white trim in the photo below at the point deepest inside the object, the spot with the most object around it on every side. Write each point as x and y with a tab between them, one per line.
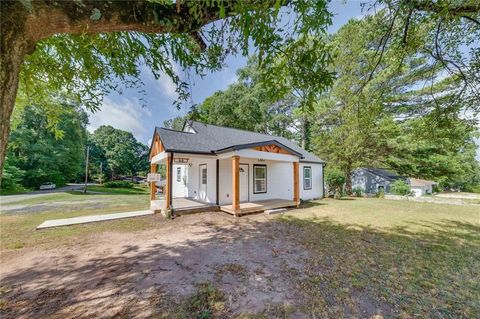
259	179
179	174
307	177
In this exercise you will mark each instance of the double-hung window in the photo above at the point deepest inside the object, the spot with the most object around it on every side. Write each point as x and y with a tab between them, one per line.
259	179
307	177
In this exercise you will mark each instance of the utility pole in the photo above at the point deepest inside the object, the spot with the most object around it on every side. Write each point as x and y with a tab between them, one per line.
86	170
101	174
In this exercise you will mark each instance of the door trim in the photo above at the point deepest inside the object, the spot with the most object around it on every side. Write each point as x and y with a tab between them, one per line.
248	180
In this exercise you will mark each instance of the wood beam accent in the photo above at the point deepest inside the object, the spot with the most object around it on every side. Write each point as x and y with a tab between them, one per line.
236	183
272	148
157	146
153	187
168	184
296	188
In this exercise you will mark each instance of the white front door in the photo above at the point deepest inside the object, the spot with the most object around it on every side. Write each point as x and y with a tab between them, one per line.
244	182
180	181
202	189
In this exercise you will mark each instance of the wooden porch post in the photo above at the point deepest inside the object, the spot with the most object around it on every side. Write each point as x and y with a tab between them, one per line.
168	182
296	189
236	183
153	187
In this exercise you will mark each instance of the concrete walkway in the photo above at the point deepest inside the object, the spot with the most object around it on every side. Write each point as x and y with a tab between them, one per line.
91	219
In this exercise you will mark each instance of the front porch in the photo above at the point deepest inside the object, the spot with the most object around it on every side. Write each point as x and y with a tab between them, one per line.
258	206
182	205
185	205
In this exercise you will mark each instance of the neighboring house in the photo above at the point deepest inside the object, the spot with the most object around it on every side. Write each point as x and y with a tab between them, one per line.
421	187
374	180
234	170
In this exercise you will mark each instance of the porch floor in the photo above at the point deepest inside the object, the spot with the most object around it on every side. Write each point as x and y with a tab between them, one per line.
182	204
258	206
188	205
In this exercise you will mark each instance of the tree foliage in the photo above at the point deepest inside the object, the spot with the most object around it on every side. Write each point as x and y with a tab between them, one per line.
400	187
119	151
103	46
394	116
43	157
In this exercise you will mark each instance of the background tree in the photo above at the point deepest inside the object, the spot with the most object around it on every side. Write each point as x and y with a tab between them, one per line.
380	118
123	154
42	156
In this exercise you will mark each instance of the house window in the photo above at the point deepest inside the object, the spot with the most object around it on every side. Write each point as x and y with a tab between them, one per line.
179	174
204	176
307	177
259	179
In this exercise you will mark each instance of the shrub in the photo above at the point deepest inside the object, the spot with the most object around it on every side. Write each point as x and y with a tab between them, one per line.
335	180
357	192
118	184
399	187
11	179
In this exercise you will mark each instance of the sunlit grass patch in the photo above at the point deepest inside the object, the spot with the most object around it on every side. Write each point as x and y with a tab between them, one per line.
395	259
18	230
206	302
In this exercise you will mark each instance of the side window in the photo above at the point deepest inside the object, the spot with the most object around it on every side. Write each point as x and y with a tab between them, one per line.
259	179
307	177
179	174
204	175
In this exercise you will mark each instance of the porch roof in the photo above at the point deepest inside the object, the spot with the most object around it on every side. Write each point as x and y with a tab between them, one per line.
200	138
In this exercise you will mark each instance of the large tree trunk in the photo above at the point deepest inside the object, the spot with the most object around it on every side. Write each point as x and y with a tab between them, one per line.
348	181
14	46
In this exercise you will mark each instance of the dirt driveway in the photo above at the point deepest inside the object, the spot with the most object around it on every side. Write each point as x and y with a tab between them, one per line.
115	274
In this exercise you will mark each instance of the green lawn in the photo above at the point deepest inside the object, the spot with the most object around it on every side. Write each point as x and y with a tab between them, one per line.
408	259
413	259
134	190
17	230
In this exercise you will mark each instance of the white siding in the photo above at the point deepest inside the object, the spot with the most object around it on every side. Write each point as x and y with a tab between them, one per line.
179	189
193	182
279	180
317	182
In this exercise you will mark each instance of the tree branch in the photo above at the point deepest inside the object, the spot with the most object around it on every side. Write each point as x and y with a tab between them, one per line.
431	6
90	16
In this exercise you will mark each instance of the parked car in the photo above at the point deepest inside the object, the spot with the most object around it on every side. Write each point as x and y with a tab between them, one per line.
48	185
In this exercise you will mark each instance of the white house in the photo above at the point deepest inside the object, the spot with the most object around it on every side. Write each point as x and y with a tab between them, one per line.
421	187
233	170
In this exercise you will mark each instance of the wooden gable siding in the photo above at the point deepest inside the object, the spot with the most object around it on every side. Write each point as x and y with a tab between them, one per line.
272	148
157	146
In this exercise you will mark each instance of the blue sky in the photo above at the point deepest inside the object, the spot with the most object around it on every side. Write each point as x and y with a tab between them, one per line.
125	111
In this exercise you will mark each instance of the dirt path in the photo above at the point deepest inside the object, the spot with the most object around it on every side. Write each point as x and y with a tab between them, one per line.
104	275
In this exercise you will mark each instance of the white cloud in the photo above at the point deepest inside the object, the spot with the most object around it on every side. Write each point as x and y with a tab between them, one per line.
164	84
125	114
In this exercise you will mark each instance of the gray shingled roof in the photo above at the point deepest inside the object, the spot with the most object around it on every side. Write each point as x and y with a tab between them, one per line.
384	173
211	139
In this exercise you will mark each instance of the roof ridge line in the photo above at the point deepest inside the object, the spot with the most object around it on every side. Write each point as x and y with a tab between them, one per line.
238	129
172	130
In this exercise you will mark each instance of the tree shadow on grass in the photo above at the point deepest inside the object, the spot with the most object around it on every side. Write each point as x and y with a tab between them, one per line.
314	267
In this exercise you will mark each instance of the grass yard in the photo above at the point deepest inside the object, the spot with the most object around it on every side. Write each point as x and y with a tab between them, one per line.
20	218
412	259
137	189
352	258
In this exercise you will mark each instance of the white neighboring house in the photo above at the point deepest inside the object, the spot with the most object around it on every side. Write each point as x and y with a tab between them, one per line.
421	187
233	170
